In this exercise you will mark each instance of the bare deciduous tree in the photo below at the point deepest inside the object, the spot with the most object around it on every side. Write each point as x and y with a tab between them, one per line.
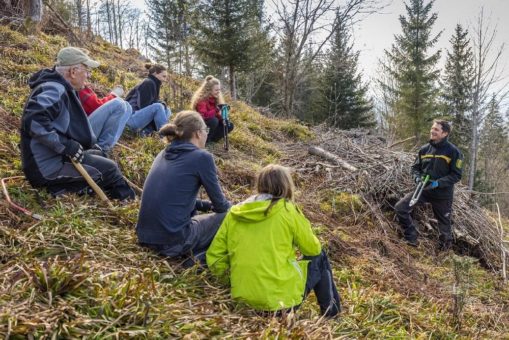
488	75
299	21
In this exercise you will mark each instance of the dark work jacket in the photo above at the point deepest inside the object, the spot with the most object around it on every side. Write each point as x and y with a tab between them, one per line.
145	93
53	119
170	193
443	162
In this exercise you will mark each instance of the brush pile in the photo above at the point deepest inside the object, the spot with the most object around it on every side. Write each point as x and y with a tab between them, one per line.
360	163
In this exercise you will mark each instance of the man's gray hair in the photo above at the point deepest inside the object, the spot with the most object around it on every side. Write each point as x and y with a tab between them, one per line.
62	70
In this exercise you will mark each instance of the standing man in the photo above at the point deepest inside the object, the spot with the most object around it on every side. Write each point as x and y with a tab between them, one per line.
56	130
443	162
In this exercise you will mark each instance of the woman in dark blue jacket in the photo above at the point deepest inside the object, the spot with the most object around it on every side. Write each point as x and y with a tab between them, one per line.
149	114
167	222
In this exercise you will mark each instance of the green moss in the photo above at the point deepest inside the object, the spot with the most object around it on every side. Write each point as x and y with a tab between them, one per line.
297	131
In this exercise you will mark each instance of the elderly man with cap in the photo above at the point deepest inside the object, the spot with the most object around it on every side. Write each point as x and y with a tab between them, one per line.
55	129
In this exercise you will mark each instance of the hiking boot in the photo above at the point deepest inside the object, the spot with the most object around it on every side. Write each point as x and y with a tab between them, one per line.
444	245
412	243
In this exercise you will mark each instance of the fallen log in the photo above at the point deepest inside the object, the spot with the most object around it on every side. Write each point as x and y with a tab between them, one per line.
314	150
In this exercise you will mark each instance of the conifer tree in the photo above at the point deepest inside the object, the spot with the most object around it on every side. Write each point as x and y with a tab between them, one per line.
494	152
169	31
230	34
344	102
415	73
457	88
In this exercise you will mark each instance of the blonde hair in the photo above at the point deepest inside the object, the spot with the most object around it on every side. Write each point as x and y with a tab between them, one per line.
205	90
277	181
183	126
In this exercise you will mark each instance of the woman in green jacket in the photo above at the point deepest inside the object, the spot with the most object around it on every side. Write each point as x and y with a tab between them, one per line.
254	250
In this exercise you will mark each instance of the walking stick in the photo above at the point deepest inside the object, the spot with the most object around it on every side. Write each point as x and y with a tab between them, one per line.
91	182
418	191
14	205
225	110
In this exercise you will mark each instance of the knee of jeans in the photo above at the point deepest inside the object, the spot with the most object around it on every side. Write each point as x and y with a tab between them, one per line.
159	107
118	103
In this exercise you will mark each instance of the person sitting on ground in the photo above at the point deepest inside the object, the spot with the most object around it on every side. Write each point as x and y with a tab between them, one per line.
107	115
167	221
206	101
55	130
254	250
149	114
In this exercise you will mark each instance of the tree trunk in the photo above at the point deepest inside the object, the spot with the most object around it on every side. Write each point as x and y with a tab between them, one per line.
114	17
233	85
33	15
108	16
89	20
473	151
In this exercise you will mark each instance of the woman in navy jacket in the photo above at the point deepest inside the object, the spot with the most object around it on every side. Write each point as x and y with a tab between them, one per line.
167	222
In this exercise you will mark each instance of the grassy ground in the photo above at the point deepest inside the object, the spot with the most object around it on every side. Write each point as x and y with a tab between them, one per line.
79	272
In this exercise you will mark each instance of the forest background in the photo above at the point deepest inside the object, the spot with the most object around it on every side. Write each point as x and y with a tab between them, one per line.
298	59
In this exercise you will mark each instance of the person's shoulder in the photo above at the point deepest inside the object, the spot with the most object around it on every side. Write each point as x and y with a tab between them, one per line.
86	90
51	89
204	155
424	147
453	147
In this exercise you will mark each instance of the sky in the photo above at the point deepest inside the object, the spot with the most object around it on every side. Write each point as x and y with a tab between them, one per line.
376	32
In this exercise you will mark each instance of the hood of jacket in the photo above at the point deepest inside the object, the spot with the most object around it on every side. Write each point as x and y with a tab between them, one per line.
178	148
48	74
255	211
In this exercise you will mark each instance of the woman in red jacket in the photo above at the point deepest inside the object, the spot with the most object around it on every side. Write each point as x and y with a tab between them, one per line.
205	101
107	116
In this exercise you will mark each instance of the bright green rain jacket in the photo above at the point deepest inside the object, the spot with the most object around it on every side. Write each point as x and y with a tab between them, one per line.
259	252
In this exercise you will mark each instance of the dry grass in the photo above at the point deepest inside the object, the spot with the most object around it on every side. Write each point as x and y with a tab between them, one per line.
79	273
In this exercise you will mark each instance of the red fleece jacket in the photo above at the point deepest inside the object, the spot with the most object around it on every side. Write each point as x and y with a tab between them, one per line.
208	108
90	101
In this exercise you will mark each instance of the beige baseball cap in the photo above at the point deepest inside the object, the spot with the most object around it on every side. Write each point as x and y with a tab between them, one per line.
68	56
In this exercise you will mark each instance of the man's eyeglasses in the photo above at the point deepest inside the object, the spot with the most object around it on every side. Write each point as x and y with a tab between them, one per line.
84	68
207	130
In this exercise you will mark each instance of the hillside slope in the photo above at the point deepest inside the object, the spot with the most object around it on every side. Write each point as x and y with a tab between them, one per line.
80	273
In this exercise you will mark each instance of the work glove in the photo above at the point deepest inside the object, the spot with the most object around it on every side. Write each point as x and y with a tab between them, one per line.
74	151
203	206
433	184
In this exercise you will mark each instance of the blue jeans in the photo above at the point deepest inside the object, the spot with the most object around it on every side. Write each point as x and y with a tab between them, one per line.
154	113
108	122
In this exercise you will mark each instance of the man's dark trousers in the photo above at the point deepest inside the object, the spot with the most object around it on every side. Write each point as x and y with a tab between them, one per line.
442	209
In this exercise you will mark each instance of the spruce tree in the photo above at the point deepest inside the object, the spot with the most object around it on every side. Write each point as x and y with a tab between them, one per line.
457	88
229	34
415	72
494	152
169	29
344	102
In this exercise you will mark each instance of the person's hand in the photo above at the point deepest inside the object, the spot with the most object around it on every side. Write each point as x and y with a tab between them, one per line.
118	91
204	206
75	151
417	179
220	106
433	184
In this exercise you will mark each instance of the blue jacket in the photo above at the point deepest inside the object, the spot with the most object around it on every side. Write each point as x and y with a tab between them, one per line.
170	193
53	122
